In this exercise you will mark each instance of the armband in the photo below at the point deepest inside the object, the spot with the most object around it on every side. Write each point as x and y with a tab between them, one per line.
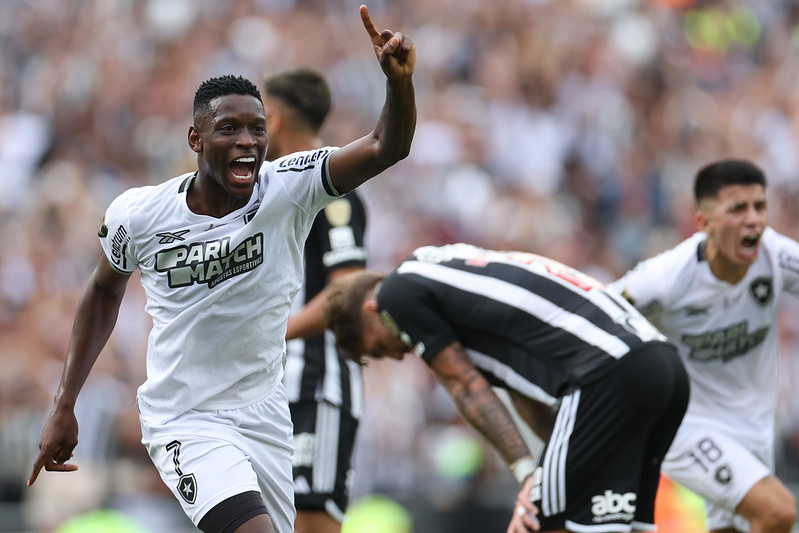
523	468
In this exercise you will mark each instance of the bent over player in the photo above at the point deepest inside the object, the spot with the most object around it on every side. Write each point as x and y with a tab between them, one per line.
717	297
219	251
546	333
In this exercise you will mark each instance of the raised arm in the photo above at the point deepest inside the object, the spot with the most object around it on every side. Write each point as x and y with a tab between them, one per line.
390	141
94	321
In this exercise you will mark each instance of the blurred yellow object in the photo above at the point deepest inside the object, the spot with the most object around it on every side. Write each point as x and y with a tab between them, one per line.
100	521
377	514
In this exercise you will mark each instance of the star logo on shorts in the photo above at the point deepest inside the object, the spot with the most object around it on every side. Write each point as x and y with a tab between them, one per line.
187	488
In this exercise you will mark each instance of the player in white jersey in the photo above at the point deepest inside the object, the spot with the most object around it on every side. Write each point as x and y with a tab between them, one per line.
324	389
716	295
220	256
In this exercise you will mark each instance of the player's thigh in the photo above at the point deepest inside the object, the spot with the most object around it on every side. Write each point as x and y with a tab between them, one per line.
207	457
324	440
198	462
267	430
716	466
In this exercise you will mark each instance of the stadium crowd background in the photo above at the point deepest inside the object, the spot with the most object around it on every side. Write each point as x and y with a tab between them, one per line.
565	127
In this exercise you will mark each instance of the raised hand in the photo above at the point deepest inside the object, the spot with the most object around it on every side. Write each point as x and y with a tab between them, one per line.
395	51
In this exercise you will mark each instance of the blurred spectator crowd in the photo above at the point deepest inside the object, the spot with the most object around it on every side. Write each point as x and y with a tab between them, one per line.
571	128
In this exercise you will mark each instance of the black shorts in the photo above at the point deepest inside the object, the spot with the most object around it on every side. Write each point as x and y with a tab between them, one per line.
600	467
324	438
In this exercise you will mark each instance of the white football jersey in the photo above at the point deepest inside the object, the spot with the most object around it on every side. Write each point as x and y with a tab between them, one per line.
726	334
218	290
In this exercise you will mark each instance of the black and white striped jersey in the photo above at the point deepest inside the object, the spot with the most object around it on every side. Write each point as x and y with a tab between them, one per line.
527	322
314	369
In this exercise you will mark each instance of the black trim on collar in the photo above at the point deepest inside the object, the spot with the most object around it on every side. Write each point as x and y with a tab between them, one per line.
700	252
185	184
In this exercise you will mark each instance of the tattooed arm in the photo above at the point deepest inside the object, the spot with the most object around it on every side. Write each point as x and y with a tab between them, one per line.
477	402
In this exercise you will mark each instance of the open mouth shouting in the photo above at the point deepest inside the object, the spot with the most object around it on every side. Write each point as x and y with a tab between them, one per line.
749	244
243	168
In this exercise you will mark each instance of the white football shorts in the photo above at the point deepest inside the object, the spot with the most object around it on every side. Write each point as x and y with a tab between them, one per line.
718	467
205	457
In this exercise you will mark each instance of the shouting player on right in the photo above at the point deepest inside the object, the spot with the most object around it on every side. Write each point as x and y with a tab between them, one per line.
716	296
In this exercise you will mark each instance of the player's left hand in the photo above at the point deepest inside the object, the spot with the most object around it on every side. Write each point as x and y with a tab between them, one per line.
524	512
395	51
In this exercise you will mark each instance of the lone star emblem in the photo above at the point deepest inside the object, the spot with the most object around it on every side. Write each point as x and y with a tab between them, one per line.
187	488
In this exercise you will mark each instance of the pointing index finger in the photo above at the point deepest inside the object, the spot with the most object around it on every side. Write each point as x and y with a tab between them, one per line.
37	467
370	26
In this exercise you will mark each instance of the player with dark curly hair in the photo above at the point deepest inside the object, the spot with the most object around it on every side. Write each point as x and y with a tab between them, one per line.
219	251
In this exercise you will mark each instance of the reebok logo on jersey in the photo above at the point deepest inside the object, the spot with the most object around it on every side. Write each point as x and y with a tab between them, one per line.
169	237
724	344
612	506
210	262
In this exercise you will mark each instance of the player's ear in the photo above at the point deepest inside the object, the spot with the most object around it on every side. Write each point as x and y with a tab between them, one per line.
702	220
195	140
369	305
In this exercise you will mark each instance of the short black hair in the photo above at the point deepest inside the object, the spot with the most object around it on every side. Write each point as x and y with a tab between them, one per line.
713	177
304	90
222	86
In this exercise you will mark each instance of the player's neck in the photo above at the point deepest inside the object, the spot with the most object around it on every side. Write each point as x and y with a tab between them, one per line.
722	268
206	197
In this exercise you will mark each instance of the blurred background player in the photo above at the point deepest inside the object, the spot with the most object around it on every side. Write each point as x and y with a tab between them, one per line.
324	389
546	333
717	296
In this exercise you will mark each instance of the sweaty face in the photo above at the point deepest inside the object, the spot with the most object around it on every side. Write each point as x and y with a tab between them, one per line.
734	223
234	142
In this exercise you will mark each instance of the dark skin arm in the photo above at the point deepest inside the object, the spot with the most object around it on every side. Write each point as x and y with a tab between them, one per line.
95	318
390	141
478	403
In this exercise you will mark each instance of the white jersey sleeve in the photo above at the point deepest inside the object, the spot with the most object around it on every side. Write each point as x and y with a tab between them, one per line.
787	258
651	283
115	234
